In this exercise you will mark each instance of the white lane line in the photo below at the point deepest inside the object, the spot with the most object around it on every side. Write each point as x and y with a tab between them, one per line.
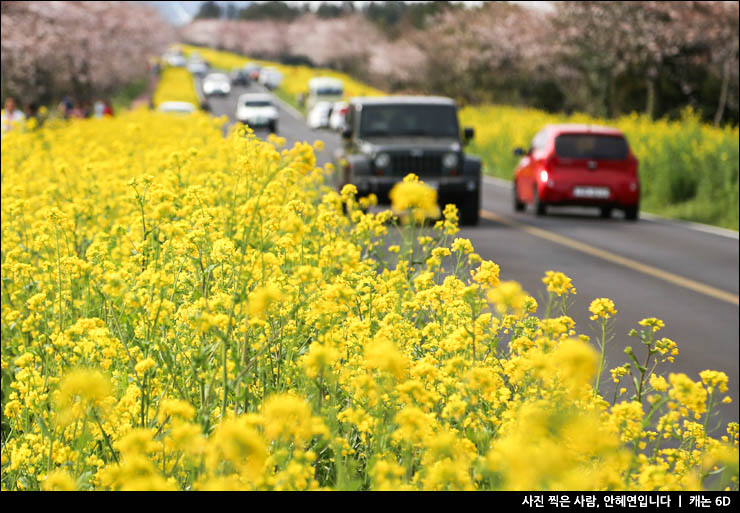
714	230
291	110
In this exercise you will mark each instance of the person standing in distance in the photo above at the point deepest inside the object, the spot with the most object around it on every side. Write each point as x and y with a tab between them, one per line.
11	116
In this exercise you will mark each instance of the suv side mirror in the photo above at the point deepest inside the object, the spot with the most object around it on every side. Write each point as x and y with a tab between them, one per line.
346	133
468	133
519	152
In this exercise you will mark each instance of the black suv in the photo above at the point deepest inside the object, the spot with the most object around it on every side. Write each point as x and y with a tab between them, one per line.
387	138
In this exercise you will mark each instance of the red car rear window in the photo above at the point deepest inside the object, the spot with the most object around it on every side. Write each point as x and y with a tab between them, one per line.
591	146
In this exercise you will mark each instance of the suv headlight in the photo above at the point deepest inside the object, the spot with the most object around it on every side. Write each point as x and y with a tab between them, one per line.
449	160
382	160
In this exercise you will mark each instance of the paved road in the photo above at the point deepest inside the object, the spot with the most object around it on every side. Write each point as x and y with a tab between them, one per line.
653	268
290	125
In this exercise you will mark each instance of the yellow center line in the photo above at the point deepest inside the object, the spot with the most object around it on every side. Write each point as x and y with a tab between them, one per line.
616	259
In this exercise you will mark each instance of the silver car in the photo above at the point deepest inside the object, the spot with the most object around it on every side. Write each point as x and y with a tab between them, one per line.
257	111
177	107
217	83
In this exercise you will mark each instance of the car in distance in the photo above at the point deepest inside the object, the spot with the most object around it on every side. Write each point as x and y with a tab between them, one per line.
386	138
318	116
257	111
176	107
338	112
175	59
240	77
216	83
198	68
253	70
270	77
585	165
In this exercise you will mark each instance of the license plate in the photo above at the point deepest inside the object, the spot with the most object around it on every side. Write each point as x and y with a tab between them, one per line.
591	192
434	184
260	121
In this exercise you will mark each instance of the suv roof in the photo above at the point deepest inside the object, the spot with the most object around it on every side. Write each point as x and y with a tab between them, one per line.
404	100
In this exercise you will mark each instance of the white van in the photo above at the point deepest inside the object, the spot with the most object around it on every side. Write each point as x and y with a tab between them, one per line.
270	77
324	89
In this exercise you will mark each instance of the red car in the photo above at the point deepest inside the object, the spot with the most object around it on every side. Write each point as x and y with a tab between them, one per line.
584	165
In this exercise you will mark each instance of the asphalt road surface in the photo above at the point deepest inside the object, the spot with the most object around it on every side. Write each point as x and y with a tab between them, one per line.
686	275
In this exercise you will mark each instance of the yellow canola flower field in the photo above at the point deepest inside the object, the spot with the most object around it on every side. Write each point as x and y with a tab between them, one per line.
187	311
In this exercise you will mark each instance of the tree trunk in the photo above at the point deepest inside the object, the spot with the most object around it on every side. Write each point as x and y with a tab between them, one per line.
650	101
723	93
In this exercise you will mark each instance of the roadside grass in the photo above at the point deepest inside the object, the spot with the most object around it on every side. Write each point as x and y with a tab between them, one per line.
291	100
123	98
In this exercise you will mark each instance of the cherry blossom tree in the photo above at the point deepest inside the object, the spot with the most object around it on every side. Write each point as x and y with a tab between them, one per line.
50	49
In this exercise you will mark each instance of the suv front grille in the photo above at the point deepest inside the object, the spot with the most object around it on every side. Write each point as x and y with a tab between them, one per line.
426	165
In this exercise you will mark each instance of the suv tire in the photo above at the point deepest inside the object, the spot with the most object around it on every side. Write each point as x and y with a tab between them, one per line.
470	210
518	204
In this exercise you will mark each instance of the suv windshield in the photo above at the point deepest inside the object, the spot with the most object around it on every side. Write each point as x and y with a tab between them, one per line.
257	103
591	146
424	120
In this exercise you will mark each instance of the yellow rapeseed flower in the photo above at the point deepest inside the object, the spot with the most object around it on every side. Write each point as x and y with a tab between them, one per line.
558	283
602	307
415	199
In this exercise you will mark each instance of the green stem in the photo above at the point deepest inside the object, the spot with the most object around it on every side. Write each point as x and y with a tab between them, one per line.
709	411
601	360
225	382
59	275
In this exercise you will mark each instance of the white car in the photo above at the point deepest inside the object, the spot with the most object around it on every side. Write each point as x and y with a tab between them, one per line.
216	83
257	111
198	68
270	77
338	115
176	107
175	60
318	116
